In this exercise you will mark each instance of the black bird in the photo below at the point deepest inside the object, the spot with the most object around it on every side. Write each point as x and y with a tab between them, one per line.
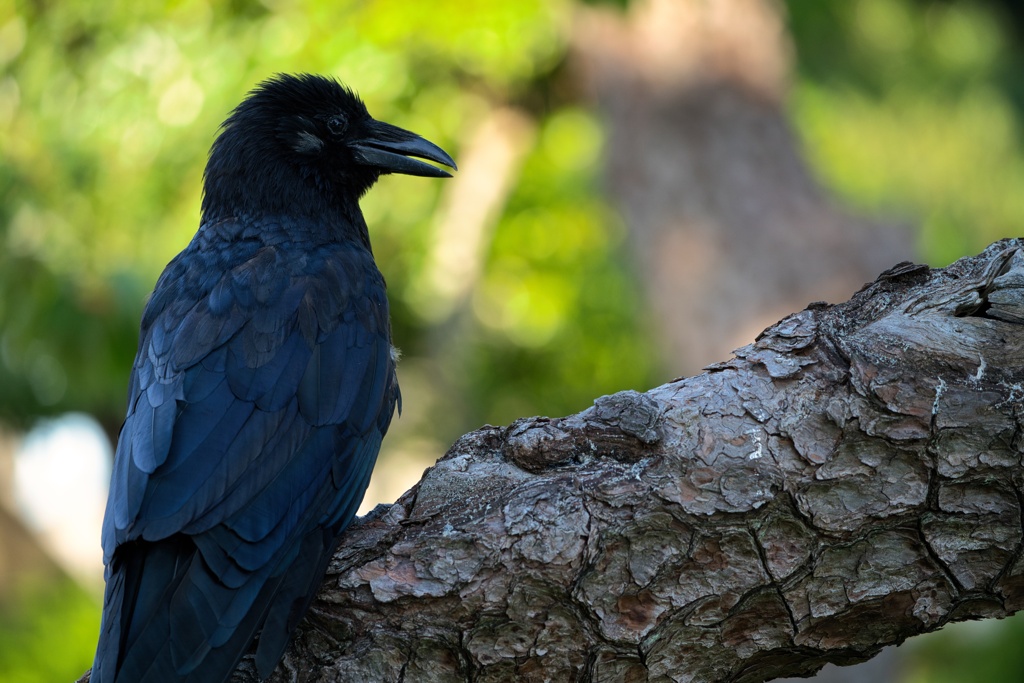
263	385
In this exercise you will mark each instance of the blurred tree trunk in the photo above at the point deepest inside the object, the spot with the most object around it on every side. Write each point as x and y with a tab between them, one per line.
849	480
729	229
23	562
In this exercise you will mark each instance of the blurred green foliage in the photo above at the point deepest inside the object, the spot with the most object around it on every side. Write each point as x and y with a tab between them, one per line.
969	652
48	633
915	109
107	109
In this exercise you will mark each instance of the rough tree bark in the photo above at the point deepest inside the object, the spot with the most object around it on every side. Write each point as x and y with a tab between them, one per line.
851	479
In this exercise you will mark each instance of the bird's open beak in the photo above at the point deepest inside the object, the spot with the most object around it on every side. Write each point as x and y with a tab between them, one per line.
390	149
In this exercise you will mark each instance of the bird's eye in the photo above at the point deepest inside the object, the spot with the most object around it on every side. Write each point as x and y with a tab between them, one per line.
337	124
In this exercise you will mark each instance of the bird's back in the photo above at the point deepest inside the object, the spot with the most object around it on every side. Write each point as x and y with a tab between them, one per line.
263	385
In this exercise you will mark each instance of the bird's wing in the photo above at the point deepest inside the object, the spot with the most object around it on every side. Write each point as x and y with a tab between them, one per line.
257	403
228	393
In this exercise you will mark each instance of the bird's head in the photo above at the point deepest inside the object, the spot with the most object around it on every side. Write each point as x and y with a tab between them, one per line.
306	144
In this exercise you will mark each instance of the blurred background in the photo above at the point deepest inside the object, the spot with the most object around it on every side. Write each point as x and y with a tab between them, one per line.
644	185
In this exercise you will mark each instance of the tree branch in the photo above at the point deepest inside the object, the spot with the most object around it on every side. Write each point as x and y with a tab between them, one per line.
850	480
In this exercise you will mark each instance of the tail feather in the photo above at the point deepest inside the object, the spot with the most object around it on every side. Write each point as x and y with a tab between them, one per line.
161	607
140	579
167	619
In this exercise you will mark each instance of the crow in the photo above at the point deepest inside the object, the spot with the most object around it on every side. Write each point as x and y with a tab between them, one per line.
263	385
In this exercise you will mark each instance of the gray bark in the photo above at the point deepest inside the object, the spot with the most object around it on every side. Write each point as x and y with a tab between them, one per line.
849	480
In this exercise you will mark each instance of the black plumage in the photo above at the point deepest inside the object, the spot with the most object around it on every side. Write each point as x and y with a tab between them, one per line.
263	385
